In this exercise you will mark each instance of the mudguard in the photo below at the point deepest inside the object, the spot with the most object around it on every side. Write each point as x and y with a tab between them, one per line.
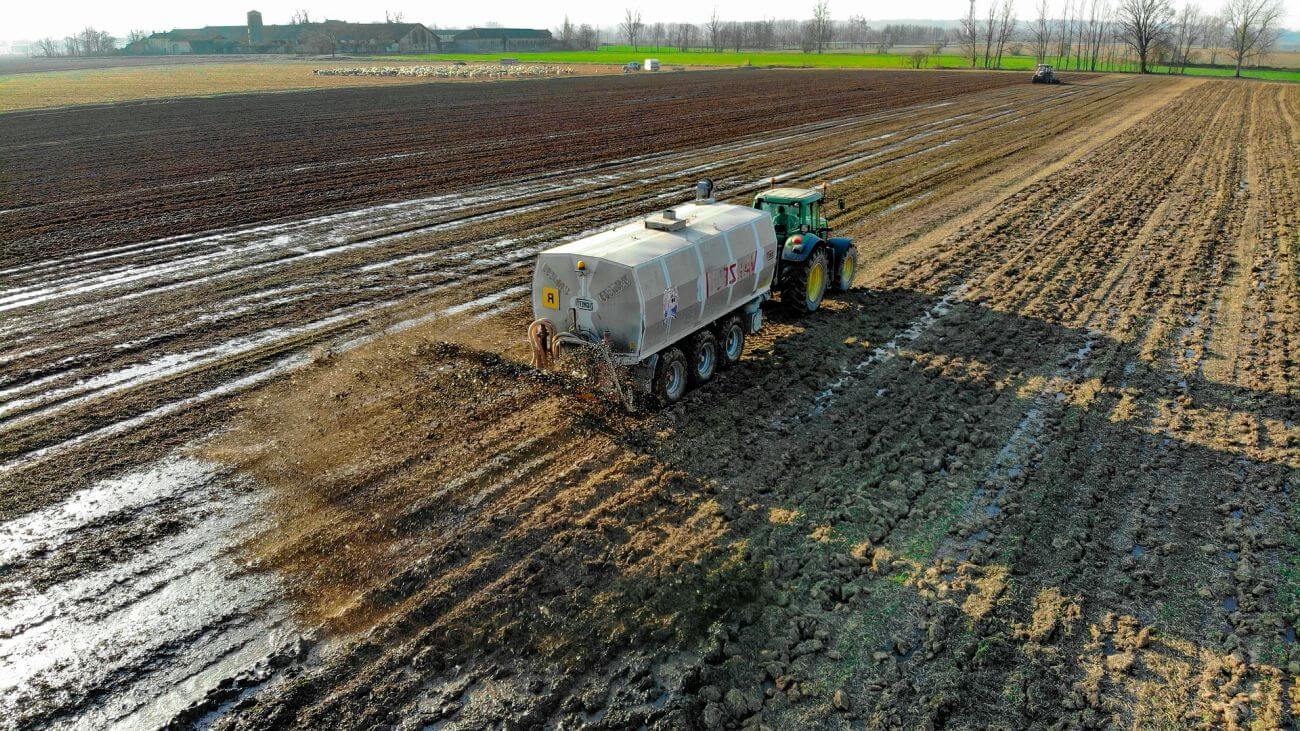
806	248
840	244
837	244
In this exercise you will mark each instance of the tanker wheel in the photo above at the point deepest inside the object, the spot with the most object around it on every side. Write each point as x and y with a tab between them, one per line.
731	342
704	357
848	267
670	376
807	285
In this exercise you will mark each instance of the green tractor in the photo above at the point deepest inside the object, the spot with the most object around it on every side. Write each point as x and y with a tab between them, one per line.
810	260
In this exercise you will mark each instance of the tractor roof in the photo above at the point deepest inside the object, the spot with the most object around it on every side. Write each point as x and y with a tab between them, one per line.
791	195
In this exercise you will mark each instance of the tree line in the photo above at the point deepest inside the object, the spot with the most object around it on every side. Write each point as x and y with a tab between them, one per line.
88	42
1095	35
1092	35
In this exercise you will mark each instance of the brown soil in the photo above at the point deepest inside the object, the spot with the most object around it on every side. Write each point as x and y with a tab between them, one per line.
1036	470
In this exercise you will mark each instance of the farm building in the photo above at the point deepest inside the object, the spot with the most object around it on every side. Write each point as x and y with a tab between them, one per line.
330	36
491	40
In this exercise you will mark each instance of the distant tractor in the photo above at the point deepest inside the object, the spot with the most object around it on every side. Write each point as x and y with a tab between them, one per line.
651	64
671	297
1043	74
631	66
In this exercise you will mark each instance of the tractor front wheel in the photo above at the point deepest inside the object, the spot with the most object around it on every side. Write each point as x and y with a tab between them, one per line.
670	376
848	267
807	286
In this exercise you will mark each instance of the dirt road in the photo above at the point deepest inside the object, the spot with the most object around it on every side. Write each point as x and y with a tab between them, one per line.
1036	468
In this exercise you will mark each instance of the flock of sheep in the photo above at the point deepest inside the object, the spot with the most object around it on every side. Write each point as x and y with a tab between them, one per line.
450	71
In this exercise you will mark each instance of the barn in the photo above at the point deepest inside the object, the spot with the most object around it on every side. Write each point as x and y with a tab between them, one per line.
492	40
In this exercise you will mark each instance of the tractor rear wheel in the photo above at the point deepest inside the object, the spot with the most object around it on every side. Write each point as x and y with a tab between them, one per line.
848	267
807	286
704	357
731	341
670	380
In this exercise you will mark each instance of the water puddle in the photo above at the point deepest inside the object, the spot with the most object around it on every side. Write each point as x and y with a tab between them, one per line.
130	641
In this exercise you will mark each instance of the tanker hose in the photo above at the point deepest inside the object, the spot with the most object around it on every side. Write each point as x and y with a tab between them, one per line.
542	337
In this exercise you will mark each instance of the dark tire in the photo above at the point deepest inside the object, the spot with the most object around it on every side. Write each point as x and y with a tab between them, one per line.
703	357
731	341
671	376
807	286
848	267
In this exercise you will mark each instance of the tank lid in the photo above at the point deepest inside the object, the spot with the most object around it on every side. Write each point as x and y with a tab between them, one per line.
666	220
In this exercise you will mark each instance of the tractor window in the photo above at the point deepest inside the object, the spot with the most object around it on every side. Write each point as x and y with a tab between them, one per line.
786	217
812	219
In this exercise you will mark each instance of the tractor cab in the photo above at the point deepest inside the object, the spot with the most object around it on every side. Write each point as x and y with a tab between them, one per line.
809	259
793	211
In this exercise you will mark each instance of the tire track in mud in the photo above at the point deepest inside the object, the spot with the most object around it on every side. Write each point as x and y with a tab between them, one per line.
990	507
1130	577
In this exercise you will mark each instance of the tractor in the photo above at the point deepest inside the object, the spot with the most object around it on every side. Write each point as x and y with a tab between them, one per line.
1043	74
809	259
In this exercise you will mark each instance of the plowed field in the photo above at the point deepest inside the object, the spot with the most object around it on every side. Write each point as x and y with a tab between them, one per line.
285	466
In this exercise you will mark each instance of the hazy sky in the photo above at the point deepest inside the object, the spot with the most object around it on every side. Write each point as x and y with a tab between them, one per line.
32	19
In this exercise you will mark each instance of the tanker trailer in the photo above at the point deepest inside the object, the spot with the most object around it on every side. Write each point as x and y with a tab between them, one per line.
670	297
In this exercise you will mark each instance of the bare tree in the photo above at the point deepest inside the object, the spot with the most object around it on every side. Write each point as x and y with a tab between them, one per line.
917	58
1064	35
1041	32
631	26
1253	28
91	42
685	36
394	16
990	29
657	32
567	35
1144	25
49	47
857	30
821	24
714	27
1006	27
588	38
1098	25
300	17
1214	34
1187	33
970	33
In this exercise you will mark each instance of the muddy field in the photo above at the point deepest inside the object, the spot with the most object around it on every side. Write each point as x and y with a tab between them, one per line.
284	466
